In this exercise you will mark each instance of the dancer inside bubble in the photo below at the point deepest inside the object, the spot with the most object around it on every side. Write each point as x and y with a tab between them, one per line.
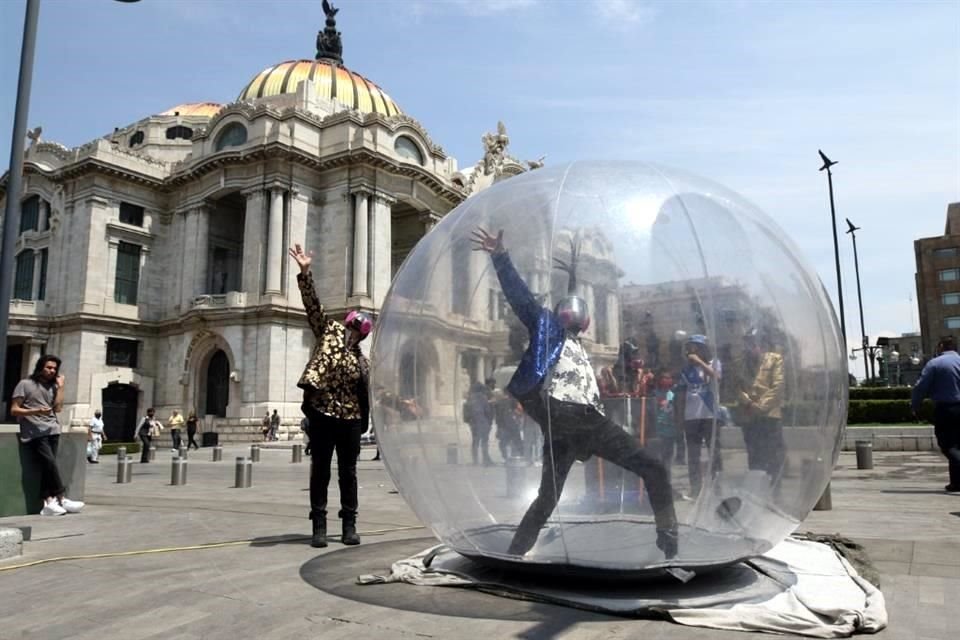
555	384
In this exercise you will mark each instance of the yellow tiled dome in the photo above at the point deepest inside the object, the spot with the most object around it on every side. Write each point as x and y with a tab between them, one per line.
333	81
207	109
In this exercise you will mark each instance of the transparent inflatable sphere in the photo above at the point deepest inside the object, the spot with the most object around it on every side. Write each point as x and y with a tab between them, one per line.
608	368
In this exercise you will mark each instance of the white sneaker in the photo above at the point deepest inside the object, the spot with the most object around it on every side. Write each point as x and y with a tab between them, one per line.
52	508
71	506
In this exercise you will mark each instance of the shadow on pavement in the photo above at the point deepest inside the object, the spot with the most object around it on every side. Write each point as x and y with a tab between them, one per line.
336	573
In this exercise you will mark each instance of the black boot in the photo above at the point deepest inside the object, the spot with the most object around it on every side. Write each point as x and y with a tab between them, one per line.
350	536
319	539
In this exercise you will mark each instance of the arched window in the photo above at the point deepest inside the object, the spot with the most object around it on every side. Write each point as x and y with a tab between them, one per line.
218	384
232	135
179	132
407	148
137	138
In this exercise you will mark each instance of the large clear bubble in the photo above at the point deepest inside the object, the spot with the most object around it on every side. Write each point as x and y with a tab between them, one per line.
695	421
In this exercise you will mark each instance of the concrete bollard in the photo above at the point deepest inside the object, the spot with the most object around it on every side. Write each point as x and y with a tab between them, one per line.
152	454
297	454
183	452
178	471
825	503
453	453
864	454
217	453
124	470
243	473
254	453
516	467
121	453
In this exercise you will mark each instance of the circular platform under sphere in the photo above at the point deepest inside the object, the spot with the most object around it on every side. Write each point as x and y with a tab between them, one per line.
714	370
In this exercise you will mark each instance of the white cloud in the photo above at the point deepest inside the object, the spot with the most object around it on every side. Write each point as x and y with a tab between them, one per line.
625	13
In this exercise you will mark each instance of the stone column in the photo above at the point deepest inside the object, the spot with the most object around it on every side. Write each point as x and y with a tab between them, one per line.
360	243
201	276
254	237
92	239
275	241
188	264
297	233
113	247
613	319
43	215
37	260
31	354
381	258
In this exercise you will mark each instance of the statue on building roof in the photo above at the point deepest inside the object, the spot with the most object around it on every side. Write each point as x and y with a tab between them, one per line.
495	149
329	46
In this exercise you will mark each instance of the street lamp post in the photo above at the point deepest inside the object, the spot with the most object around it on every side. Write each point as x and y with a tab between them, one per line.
852	230
827	163
895	357
11	214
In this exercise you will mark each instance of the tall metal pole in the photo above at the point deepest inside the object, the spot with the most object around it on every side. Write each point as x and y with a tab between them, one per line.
836	257
856	265
11	215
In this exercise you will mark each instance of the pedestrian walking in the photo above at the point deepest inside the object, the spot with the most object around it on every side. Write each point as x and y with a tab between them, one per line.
35	403
95	438
940	381
192	425
175	424
149	429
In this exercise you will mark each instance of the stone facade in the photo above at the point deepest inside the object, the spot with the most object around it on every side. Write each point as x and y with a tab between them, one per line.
158	254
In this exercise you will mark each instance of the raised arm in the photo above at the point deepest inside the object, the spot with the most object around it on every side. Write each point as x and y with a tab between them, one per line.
316	315
518	294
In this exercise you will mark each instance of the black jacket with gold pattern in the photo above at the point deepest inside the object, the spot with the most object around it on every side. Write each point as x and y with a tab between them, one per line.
335	380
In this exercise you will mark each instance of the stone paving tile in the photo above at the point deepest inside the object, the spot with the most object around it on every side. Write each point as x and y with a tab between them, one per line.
254	590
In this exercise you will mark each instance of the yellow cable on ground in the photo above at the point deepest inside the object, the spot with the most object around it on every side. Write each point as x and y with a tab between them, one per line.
195	547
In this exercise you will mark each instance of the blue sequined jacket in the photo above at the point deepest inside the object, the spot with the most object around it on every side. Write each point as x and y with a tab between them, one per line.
546	333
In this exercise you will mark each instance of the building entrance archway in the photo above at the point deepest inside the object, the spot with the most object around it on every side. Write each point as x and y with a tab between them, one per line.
217	385
119	403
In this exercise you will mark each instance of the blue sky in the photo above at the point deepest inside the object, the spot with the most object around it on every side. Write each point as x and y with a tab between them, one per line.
740	92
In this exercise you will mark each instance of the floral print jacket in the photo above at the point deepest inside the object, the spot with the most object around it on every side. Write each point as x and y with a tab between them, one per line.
335	380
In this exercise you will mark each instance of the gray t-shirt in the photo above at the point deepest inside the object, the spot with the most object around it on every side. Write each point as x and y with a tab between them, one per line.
37	395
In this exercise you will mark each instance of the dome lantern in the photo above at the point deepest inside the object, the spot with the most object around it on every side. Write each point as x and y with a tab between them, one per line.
329	45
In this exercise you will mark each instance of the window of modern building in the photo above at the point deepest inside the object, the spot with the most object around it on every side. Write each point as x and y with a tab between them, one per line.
407	148
179	132
136	138
945	252
30	214
952	322
128	273
131	214
232	135
950	298
948	274
122	353
42	287
23	279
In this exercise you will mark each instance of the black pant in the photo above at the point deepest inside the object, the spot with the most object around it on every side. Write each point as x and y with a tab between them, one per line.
177	440
699	434
326	435
574	431
766	449
192	436
44	452
480	443
145	440
946	426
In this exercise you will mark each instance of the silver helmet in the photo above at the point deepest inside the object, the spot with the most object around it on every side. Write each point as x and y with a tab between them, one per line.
573	313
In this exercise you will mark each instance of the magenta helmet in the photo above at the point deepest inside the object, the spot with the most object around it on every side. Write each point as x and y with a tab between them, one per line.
359	321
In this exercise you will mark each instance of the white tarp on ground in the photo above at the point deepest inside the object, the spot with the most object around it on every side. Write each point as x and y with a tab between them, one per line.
799	587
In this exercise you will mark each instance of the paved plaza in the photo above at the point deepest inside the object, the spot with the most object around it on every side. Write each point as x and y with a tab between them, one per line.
206	560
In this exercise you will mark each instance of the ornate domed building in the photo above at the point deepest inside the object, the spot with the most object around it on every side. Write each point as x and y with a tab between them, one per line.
153	259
